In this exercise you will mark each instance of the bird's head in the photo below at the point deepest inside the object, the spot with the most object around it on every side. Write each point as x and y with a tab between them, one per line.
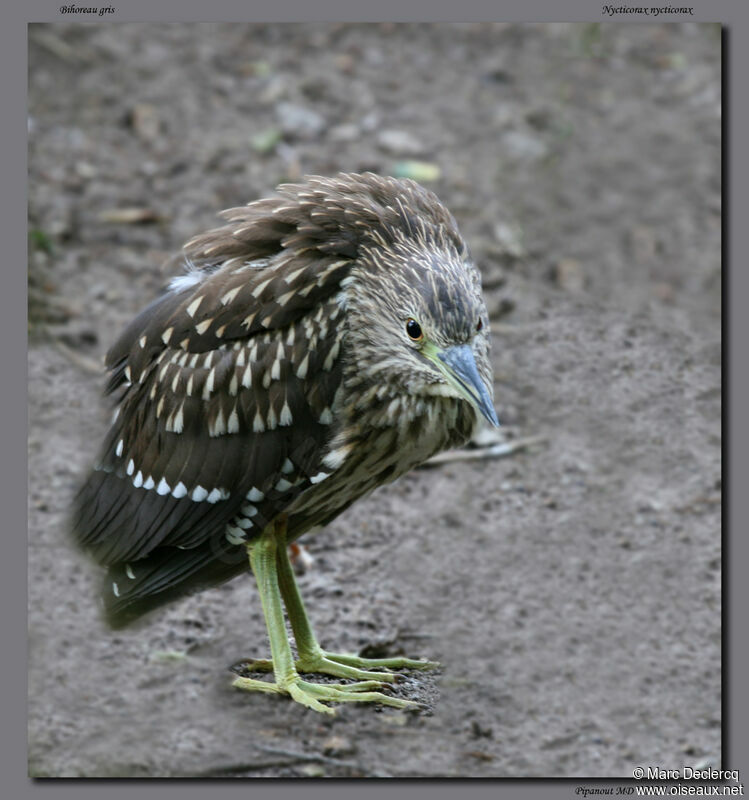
417	314
416	323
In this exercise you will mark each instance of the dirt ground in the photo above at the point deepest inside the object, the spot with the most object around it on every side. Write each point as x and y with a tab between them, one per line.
572	590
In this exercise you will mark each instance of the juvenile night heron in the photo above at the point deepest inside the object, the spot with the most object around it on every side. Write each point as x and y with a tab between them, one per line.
323	342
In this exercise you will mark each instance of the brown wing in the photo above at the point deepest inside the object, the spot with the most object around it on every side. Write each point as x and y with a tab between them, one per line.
223	384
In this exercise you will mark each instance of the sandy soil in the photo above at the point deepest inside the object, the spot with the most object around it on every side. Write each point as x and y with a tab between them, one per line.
571	591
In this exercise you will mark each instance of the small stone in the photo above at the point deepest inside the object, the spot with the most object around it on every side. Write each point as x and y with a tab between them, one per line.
569	275
144	120
510	239
344	133
300	122
314	770
523	146
399	143
338	746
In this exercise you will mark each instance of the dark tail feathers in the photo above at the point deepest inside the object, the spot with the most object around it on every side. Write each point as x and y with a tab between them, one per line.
133	589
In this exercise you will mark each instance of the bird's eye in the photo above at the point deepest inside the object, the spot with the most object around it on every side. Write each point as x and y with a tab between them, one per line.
479	325
413	329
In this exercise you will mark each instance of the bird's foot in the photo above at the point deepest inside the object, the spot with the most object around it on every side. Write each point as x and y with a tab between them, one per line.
346	665
366	673
315	695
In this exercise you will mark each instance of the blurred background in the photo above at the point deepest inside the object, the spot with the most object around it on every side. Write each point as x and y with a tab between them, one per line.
572	590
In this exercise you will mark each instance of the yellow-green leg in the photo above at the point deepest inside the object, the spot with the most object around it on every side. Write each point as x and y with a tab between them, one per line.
275	579
312	658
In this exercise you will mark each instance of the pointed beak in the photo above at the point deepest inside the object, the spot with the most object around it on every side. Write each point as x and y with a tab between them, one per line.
458	366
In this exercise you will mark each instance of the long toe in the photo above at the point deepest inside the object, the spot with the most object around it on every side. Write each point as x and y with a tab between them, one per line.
379	663
324	665
337	693
316	695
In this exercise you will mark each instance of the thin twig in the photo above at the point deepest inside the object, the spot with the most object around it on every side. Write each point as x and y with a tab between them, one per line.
499	450
316	757
288	758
